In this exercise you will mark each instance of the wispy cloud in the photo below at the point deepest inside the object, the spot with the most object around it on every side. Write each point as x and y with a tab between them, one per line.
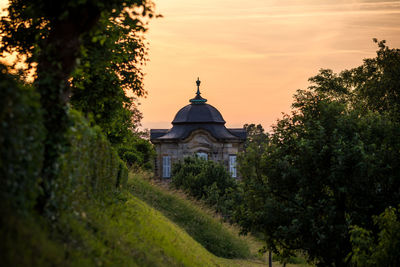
290	15
270	47
286	10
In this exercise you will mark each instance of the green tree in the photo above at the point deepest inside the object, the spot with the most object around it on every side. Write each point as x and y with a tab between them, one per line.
332	163
377	81
109	70
255	146
382	249
49	34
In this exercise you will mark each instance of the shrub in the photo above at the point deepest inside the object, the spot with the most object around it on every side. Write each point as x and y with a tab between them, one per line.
197	176
377	249
206	180
21	142
91	167
136	151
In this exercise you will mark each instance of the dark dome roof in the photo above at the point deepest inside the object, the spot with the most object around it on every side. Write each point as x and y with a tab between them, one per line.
198	116
181	131
198	113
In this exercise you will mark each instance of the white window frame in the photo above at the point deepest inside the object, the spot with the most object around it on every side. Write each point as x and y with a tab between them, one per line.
202	155
232	165
166	166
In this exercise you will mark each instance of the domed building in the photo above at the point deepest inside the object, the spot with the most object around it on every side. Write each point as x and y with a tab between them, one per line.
197	129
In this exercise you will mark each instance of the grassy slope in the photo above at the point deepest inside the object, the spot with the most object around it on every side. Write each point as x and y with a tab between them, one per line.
123	231
219	238
136	234
200	222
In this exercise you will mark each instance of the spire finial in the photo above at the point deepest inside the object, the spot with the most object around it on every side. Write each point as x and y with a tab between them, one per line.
198	86
198	99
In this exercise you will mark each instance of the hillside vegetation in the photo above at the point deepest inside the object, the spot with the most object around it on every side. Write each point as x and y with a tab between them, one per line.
220	239
120	231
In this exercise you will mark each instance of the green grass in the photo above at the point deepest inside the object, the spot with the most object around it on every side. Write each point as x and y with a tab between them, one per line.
200	221
131	233
122	230
219	238
25	241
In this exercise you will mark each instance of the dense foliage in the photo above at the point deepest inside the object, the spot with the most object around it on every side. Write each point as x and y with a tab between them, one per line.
90	171
49	35
108	79
378	250
206	180
21	142
136	152
331	164
90	167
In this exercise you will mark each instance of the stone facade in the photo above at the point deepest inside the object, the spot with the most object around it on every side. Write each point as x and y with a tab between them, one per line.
199	141
198	129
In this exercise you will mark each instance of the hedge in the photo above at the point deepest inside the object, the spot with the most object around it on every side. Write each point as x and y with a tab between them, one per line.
90	167
21	142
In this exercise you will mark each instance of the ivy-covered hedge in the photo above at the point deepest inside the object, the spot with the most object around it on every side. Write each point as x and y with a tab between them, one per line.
21	143
90	167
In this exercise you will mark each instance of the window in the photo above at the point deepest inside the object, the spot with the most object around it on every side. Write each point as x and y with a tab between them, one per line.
232	166
202	155
166	166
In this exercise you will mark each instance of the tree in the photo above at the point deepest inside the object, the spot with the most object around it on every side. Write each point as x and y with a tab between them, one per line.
332	163
49	34
109	70
377	81
250	167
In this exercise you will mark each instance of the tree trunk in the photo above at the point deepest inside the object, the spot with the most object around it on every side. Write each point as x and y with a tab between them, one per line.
56	61
269	258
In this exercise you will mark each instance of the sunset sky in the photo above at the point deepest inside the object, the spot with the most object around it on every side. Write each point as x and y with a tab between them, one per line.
251	56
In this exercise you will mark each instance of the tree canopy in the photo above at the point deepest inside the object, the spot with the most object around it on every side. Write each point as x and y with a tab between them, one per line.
331	164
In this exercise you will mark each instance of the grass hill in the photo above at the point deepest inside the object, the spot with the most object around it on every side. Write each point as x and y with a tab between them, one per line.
119	231
144	225
199	222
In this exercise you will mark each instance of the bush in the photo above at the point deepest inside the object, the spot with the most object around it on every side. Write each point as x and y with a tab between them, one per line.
136	151
197	176
21	142
206	180
377	249
91	168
